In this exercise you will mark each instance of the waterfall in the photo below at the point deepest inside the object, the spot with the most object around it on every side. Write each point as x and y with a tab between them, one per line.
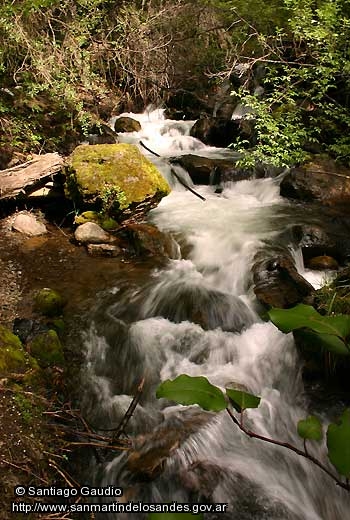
198	316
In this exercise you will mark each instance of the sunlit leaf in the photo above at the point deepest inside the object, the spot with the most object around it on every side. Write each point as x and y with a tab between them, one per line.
242	400
193	390
310	428
338	443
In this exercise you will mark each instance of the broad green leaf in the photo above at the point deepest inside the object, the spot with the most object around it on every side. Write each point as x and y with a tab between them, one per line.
242	400
174	516
310	428
331	343
302	315
193	390
338	443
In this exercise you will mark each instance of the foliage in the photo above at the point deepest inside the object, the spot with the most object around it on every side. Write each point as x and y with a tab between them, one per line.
332	331
197	390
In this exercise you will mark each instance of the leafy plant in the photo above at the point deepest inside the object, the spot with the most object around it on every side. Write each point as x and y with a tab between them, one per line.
333	332
197	390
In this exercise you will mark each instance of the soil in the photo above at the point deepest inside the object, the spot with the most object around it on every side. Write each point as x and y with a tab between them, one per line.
30	451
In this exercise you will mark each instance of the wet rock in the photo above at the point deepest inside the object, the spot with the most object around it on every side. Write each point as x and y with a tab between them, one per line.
46	348
115	177
145	239
109	250
322	263
205	170
146	460
28	224
91	233
126	124
208	308
322	180
101	134
277	282
49	302
25	328
220	132
13	357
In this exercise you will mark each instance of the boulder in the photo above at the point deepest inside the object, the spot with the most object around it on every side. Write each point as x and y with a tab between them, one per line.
216	131
145	239
28	224
321	180
207	170
13	357
277	282
100	133
322	263
91	233
126	124
113	177
49	302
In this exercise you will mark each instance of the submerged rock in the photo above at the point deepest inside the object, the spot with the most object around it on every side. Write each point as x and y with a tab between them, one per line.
28	224
145	239
91	233
113	177
109	250
49	302
126	124
277	282
322	263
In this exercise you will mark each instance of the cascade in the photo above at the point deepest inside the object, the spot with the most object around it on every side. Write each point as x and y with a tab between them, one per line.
198	316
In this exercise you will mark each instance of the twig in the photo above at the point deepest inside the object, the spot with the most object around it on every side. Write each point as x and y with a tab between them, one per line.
175	174
67	478
25	470
123	423
290	447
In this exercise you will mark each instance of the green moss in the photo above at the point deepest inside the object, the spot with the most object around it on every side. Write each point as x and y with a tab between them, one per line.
107	223
49	302
47	349
114	173
13	357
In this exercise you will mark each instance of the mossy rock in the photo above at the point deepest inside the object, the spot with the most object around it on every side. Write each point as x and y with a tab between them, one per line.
49	302
46	348
113	177
13	357
107	223
126	124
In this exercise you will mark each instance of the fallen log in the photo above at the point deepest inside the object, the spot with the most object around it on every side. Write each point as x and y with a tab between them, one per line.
29	176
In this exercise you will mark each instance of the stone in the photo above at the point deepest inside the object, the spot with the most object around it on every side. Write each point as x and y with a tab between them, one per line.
146	239
322	263
277	282
108	250
13	357
28	224
112	178
91	233
49	302
220	132
100	133
46	348
126	124
322	180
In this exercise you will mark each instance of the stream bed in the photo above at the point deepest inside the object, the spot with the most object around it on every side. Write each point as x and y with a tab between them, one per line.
199	316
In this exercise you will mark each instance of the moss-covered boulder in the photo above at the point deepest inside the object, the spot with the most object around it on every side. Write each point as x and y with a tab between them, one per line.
49	302
112	178
13	357
126	124
107	223
46	348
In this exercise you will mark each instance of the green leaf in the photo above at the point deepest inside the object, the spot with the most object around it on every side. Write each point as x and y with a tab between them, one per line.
310	428
338	443
242	400
331	343
302	315
193	390
174	516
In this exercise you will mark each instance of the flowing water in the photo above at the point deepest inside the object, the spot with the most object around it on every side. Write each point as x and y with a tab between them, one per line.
198	316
